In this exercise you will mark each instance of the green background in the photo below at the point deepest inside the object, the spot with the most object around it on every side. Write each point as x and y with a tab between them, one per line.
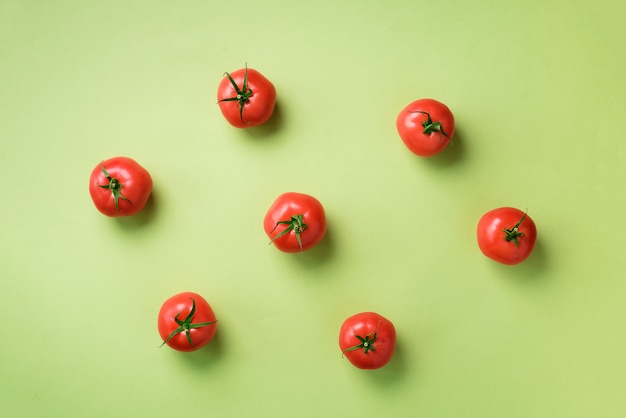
537	88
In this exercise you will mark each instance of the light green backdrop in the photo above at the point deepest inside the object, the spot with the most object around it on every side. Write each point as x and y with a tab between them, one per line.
538	90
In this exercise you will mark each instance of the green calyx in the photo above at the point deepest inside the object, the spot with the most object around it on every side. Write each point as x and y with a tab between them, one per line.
185	325
295	224
513	234
430	126
243	94
114	187
367	343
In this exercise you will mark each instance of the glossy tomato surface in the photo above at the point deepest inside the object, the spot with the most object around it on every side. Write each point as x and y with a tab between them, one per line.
295	222
426	127
186	322
246	98
368	340
506	235
120	186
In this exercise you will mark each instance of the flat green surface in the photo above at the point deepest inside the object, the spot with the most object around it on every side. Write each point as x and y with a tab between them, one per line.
538	91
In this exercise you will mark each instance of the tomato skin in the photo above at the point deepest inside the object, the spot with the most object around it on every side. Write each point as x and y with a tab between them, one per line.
180	306
363	324
492	237
260	105
135	189
284	207
410	126
135	181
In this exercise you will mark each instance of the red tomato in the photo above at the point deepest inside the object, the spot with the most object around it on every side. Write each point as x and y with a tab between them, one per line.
506	235
120	186
295	222
246	98
426	126
186	322
368	340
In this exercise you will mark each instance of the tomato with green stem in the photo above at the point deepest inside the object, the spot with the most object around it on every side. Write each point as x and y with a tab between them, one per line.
367	340
246	98
506	235
426	126
120	187
295	222
186	322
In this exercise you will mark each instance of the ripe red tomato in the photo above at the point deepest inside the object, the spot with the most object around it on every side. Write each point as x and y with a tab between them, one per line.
368	340
295	222
506	235
120	186
426	126
246	98
186	322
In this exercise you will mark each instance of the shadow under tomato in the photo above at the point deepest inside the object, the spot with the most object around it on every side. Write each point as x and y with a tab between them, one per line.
321	254
532	270
141	219
206	356
454	153
270	127
393	372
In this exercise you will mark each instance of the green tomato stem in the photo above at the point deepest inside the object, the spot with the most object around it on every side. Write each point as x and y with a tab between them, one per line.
295	224
367	343
185	325
430	126
115	187
513	234
243	94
